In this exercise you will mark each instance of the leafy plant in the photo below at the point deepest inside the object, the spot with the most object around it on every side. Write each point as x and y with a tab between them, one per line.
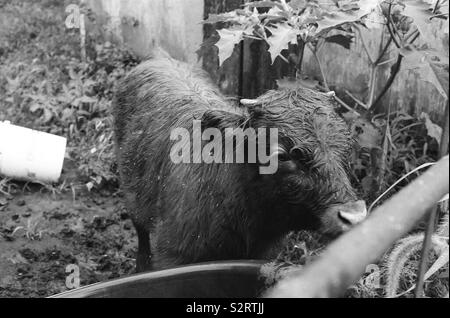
294	25
392	143
283	23
46	85
298	24
391	147
396	261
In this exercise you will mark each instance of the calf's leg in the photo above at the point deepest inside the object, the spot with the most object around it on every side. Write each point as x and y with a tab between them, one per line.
143	261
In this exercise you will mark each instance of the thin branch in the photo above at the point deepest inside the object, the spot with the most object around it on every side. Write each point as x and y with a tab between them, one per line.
406	128
414	34
372	85
283	58
383	52
253	37
356	99
395	71
436	6
325	84
301	55
374	203
262	33
390	81
394	28
298	51
389	26
322	72
445	135
387	61
441	15
365	47
320	42
340	101
393	36
419	292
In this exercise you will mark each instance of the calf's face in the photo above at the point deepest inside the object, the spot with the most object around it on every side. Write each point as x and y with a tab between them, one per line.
314	148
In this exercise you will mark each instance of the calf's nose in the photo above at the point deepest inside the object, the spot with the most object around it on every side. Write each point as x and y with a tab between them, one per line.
352	213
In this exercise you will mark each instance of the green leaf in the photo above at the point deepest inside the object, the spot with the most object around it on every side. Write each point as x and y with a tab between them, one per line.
434	131
297	4
227	42
425	63
375	19
280	39
347	11
347	5
245	16
420	12
440	72
341	39
35	107
224	17
47	116
67	114
264	4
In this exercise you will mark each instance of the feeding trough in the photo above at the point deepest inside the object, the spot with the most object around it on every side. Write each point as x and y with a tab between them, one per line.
236	279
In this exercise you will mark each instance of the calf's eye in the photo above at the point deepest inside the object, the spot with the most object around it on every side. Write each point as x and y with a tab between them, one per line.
283	156
301	156
298	154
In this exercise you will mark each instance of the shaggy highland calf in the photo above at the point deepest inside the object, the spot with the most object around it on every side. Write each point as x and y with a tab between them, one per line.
204	212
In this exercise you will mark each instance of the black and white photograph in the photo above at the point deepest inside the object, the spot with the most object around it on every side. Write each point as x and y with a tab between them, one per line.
224	149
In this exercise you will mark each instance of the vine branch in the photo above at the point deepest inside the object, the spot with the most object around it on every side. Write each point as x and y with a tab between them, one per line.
395	70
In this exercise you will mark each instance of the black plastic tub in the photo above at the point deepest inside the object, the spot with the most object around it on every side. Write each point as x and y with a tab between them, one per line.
237	279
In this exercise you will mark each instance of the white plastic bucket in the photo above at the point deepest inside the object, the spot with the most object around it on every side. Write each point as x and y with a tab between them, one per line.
30	155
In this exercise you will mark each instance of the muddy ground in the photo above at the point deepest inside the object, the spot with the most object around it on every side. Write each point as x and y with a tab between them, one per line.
41	233
44	228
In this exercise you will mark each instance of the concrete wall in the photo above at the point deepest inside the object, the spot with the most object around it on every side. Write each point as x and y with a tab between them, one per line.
143	24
